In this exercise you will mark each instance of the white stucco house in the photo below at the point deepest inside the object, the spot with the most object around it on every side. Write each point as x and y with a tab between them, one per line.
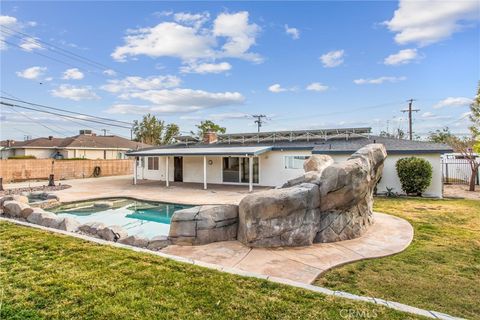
272	158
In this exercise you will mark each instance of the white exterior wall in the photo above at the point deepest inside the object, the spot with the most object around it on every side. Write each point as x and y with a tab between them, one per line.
272	171
272	167
38	153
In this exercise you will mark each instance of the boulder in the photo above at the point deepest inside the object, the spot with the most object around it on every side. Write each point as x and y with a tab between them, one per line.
3	199
158	243
330	202
112	233
69	224
91	228
51	196
204	224
280	217
17	209
135	241
44	218
317	163
21	198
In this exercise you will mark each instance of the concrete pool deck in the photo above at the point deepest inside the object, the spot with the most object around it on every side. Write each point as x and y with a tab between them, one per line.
387	236
122	186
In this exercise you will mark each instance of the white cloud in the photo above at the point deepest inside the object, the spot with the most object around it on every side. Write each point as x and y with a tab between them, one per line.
109	72
75	93
332	59
427	22
453	102
404	56
206	68
29	44
240	34
379	80
133	84
32	73
9	22
186	98
178	101
217	116
72	74
431	116
292	32
317	86
195	20
166	39
187	39
276	88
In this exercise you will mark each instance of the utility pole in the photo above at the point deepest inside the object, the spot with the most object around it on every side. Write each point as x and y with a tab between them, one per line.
410	110
105	131
259	120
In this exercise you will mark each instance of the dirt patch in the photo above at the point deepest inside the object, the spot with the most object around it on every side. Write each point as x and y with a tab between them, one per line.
461	191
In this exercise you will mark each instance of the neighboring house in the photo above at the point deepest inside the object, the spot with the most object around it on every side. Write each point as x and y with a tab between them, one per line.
273	158
86	145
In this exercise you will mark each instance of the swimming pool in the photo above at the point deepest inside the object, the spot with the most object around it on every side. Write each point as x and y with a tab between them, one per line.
142	218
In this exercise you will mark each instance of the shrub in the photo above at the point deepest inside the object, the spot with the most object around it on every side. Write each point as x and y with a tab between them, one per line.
23	157
415	174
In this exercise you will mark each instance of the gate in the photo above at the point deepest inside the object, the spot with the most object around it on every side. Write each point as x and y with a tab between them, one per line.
457	171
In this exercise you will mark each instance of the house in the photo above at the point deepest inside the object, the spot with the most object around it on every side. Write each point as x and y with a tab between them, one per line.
85	145
272	158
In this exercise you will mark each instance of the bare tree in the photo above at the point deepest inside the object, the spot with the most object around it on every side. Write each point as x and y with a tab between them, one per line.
464	146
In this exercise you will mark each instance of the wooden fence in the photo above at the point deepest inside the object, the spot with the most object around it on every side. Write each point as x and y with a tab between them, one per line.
39	169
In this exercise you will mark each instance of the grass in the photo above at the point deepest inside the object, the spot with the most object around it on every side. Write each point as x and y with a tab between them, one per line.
51	276
439	271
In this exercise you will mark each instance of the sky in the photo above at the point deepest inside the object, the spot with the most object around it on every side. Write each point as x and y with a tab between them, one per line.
305	65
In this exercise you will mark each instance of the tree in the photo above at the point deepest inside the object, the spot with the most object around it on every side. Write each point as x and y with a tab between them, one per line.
440	135
399	134
469	145
153	131
209	125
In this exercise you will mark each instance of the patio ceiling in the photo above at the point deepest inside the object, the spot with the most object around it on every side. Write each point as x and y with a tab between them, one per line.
203	151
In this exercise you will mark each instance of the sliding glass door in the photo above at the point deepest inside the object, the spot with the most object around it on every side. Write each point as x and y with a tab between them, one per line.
236	169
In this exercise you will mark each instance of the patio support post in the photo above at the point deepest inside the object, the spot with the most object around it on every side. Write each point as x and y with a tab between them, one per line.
167	178
250	174
135	171
205	172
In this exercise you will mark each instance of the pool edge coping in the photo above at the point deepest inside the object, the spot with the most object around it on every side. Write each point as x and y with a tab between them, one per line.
342	294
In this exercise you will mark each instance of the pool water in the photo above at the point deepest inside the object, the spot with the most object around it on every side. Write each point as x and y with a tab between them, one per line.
142	218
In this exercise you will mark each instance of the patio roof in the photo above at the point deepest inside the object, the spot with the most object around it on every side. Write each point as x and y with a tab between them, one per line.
203	151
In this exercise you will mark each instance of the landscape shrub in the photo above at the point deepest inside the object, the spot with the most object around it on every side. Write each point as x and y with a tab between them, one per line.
415	174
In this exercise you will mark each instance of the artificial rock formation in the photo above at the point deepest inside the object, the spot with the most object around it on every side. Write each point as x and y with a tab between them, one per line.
204	224
331	202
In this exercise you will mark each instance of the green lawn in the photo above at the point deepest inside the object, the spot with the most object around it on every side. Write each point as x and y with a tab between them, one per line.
439	271
51	276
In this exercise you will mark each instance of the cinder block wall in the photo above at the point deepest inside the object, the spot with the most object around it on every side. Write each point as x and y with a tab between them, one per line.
33	169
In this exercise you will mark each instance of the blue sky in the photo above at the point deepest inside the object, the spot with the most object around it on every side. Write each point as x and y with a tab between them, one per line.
305	65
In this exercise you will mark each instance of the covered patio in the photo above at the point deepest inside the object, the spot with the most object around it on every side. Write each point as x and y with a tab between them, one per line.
219	165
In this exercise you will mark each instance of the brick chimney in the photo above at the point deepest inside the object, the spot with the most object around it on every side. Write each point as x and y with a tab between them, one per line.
210	137
50	137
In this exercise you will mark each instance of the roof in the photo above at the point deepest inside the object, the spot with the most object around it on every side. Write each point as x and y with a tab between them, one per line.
317	146
82	141
203	150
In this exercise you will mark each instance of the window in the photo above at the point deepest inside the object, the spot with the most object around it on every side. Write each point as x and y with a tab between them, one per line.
295	162
152	163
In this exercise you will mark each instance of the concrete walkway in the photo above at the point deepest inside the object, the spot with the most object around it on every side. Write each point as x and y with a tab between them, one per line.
388	235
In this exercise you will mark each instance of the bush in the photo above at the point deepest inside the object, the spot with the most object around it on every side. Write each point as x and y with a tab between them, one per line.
23	157
415	174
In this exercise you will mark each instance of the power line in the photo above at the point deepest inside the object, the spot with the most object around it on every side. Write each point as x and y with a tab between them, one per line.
38	122
67	116
410	110
69	54
63	110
